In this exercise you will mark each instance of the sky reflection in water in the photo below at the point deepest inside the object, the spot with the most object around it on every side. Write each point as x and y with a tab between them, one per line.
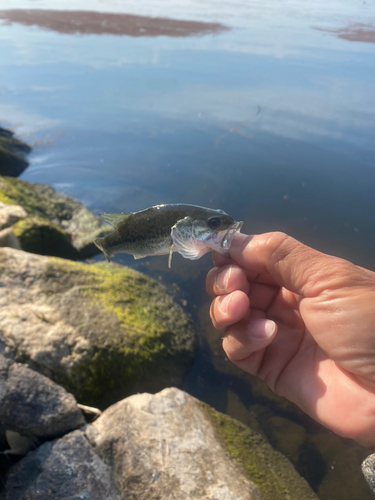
274	124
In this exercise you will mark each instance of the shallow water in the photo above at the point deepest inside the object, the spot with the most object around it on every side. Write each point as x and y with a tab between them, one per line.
263	109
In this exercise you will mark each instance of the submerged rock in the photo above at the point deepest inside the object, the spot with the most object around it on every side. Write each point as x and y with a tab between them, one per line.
101	331
34	406
12	154
151	447
56	225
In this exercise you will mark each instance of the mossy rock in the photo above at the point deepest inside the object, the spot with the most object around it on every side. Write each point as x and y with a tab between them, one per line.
328	462
102	331
271	471
55	210
12	154
42	237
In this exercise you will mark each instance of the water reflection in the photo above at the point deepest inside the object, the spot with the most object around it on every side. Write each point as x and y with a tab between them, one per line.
356	32
102	23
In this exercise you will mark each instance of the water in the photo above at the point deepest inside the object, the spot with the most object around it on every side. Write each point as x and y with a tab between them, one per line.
263	109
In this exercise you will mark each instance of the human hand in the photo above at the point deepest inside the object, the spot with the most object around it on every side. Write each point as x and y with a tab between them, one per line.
304	322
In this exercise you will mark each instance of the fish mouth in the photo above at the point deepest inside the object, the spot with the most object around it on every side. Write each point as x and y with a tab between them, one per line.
229	235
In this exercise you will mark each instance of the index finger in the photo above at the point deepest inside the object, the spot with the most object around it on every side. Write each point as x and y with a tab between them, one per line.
252	275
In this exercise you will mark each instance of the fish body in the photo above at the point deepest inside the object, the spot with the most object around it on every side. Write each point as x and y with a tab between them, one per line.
188	229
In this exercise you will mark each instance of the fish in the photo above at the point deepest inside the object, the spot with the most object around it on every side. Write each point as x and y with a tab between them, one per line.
190	230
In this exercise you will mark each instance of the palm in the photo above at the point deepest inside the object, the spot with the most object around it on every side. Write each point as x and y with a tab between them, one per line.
294	366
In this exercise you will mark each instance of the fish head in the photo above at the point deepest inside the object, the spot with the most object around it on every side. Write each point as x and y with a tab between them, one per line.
217	231
203	231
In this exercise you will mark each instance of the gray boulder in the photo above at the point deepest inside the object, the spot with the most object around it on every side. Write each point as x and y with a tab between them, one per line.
101	331
34	406
152	447
169	445
163	446
64	469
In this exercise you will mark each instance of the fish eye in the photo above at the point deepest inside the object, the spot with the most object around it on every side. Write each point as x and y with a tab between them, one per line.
214	222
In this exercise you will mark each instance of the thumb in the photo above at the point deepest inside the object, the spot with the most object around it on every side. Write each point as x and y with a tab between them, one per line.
286	261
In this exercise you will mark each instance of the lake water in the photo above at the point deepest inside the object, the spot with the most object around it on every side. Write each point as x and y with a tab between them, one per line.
265	109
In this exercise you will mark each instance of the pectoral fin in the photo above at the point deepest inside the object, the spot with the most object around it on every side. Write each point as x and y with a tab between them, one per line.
99	242
170	256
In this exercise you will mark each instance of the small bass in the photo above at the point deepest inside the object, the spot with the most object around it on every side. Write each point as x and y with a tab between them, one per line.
189	230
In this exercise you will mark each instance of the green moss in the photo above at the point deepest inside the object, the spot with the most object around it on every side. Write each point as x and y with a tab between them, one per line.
42	237
272	473
40	201
141	340
17	192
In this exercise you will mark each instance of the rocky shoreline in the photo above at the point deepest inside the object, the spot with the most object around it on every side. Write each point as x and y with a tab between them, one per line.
167	445
98	334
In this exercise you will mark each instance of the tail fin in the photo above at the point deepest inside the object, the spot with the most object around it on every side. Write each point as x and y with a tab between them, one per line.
99	242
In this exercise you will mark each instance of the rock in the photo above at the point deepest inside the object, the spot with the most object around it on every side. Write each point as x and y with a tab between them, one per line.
163	446
34	406
368	469
44	238
101	331
170	445
64	469
76	220
321	457
55	217
18	444
10	214
270	470
151	447
9	239
12	154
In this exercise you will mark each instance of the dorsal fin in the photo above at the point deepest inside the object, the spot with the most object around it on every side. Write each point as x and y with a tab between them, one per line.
114	219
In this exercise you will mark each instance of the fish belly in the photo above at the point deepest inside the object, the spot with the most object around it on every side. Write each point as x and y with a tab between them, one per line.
139	249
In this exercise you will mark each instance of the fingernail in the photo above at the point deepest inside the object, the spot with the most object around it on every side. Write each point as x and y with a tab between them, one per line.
224	303
261	329
222	278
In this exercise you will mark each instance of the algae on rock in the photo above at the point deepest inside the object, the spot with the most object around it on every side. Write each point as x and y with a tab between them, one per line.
102	331
44	238
271	471
53	212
